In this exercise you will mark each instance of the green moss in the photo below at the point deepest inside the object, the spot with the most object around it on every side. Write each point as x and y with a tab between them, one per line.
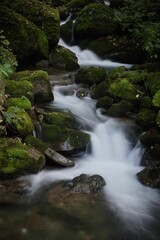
18	121
104	102
158	119
136	76
156	99
19	88
100	90
94	21
124	89
62	120
43	16
153	82
30	76
22	102
17	159
64	58
36	143
78	139
53	133
120	109
90	75
116	72
146	118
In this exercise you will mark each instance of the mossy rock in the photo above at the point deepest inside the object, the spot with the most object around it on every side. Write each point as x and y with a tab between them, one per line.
63	58
77	5
19	89
66	31
17	159
18	121
120	109
77	139
150	176
150	138
36	143
7	57
156	99
145	102
52	133
22	102
136	76
153	82
60	119
125	90
90	75
116	72
41	86
94	21
158	119
42	15
146	118
104	102
100	90
26	40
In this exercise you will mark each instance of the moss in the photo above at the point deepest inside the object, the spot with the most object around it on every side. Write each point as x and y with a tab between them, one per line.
153	82
104	102
124	89
22	102
116	72
90	75
100	90
120	109
158	119
146	118
145	102
36	143
62	120
42	15
95	20
64	58
53	134
19	88
41	85
18	121
26	39
78	139
7	56
17	159
136	76
156	99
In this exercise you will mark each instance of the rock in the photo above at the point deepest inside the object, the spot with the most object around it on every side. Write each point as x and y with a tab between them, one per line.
12	191
146	118
19	88
36	143
150	176
43	65
153	83
81	93
17	159
66	31
150	138
145	102
42	15
90	75
100	90
136	76
58	158
120	109
26	40
117	72
63	58
94	21
86	184
21	102
122	88
158	119
41	84
18	121
151	156
104	102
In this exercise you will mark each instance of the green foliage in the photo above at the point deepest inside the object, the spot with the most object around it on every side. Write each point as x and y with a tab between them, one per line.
156	99
141	19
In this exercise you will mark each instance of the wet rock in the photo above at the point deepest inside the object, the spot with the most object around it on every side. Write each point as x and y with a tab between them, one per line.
12	191
100	90
81	93
146	118
150	138
153	83
150	176
104	102
86	184
90	75
21	102
120	109
151	156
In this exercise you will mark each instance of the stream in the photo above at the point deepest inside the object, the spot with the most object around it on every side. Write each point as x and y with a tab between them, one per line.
128	210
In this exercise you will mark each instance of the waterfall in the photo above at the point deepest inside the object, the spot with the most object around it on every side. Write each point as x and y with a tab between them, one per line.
112	156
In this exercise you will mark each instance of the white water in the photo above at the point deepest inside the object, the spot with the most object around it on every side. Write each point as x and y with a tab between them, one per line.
88	58
112	157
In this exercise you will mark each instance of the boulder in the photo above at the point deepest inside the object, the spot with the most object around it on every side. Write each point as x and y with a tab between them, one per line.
104	102
116	72
41	85
42	15
150	176
151	156
21	102
90	75
153	82
150	138
18	121
146	118
136	76
120	109
94	21
63	58
26	40
100	90
17	159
